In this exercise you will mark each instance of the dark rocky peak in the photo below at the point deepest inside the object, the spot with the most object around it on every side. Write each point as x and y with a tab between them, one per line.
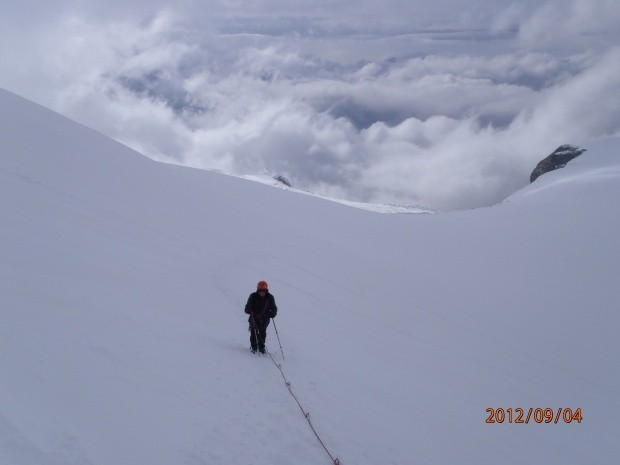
558	159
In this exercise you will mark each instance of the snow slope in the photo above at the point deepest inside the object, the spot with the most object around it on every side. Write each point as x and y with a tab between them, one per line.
123	339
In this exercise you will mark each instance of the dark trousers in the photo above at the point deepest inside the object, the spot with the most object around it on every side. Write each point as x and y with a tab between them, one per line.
262	337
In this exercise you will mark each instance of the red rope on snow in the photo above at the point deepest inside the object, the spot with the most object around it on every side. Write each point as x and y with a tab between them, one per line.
335	461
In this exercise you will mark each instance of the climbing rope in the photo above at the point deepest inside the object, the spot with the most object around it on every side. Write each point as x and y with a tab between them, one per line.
334	460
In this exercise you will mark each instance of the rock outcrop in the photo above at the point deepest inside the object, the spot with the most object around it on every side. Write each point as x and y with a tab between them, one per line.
558	159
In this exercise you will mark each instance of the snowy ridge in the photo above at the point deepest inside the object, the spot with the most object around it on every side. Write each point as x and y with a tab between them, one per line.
123	338
373	207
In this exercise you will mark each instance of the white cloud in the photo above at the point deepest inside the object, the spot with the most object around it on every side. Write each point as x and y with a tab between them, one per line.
459	126
572	24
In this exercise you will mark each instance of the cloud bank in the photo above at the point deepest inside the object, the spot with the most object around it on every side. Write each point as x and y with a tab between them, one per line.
400	105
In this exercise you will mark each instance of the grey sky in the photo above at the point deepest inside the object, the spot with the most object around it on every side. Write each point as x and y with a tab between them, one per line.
445	104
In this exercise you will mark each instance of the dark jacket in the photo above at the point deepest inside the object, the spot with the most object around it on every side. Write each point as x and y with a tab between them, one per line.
261	308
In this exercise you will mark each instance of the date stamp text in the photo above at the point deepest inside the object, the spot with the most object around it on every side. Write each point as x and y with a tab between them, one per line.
534	415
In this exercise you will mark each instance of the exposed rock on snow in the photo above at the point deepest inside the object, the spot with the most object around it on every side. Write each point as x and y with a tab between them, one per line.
558	159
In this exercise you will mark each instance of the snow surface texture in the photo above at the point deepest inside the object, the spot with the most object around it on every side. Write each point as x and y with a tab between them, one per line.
123	339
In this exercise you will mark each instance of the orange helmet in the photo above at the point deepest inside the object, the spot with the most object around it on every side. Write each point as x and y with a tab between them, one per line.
262	285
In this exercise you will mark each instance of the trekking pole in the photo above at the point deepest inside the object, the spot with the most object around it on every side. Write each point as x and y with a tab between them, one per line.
276	328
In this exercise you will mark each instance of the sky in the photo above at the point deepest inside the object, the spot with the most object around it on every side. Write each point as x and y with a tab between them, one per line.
443	104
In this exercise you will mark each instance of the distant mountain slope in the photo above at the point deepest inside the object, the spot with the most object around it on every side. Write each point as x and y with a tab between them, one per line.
123	338
558	159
